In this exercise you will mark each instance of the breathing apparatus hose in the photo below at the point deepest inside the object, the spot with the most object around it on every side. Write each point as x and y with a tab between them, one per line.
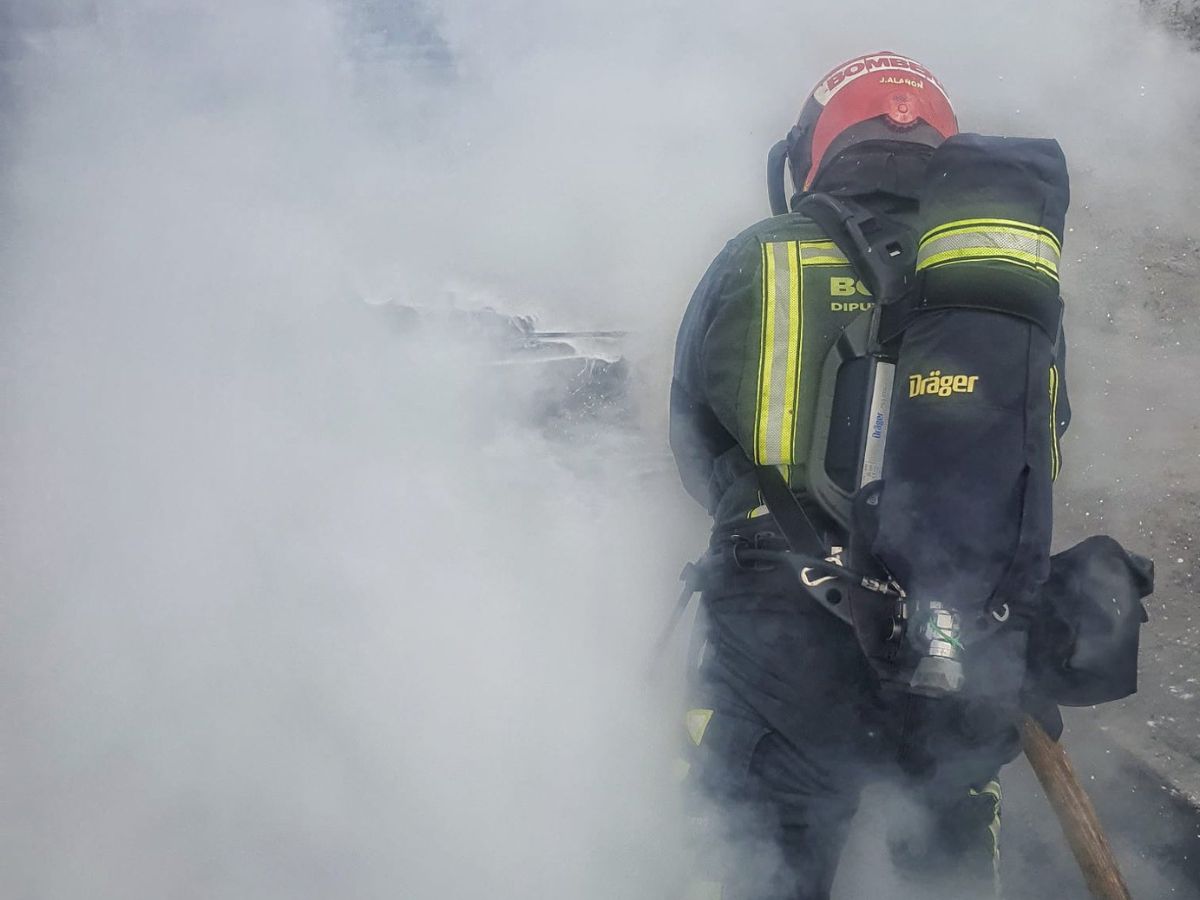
693	582
798	560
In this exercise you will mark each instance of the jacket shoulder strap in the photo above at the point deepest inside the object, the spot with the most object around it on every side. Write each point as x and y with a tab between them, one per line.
882	250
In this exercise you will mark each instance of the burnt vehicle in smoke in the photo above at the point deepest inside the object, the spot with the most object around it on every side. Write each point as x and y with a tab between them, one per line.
558	381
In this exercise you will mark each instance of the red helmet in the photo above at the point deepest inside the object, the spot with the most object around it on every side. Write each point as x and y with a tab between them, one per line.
880	96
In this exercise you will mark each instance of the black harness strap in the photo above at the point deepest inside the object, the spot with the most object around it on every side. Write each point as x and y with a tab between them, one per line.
692	577
801	534
881	250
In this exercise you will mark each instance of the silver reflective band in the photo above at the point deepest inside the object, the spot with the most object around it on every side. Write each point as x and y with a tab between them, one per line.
780	349
1029	248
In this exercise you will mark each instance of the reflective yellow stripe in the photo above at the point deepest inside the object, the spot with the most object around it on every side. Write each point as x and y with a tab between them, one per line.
975	254
1055	452
795	336
779	354
992	225
974	240
765	355
697	723
1030	232
822	253
992	789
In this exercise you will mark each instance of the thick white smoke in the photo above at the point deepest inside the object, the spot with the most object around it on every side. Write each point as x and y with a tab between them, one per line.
296	607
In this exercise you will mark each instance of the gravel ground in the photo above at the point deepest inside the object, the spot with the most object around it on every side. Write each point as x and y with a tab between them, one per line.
1134	373
1181	16
1132	265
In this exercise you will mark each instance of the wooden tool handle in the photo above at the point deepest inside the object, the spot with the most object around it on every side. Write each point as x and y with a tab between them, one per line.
1075	813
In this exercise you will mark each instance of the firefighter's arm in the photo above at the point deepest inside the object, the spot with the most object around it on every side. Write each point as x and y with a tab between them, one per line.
696	435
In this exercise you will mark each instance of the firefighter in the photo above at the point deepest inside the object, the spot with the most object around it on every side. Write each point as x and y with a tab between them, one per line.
788	721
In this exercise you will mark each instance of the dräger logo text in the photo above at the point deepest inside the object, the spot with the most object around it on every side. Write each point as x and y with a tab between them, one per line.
935	384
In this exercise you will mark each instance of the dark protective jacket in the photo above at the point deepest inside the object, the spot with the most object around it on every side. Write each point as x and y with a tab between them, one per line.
754	337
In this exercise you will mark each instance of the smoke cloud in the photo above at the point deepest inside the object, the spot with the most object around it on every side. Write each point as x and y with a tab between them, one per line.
297	606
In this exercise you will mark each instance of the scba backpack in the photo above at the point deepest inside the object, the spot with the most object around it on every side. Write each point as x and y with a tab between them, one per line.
948	398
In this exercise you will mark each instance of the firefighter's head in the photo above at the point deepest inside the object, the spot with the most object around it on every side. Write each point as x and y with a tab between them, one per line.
878	97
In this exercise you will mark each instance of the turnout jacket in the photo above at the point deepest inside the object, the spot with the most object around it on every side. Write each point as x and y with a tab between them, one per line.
748	359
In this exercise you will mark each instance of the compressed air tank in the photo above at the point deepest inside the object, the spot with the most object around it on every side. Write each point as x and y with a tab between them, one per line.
965	512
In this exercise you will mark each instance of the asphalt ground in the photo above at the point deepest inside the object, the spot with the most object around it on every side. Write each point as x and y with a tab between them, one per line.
1154	831
1153	828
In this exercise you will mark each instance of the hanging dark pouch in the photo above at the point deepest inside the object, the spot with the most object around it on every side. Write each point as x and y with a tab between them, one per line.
1083	647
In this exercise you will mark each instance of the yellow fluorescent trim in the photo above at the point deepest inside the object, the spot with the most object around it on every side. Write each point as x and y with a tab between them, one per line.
1052	273
992	789
1055	452
697	723
813	253
759	423
795	336
1009	225
1017	256
767	351
1031	237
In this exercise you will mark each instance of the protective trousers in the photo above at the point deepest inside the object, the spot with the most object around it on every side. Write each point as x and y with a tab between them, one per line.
786	727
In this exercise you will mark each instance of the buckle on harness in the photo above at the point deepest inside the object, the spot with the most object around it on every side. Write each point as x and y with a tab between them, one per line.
810	578
763	540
